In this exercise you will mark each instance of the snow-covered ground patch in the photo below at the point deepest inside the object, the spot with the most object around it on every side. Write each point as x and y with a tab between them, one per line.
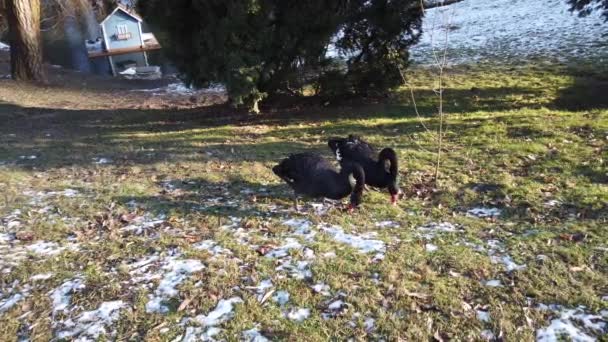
253	335
179	88
321	288
503	30
281	297
298	314
498	255
176	272
62	295
295	269
143	225
387	224
575	324
283	251
224	311
13	252
430	230
493	283
90	325
12	296
101	161
484	212
212	247
301	227
364	243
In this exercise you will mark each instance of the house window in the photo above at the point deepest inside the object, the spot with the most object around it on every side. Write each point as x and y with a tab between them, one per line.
122	32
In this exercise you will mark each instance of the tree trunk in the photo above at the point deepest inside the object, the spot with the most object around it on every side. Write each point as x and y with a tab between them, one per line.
25	40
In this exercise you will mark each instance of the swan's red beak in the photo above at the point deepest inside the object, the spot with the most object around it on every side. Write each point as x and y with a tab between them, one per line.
351	208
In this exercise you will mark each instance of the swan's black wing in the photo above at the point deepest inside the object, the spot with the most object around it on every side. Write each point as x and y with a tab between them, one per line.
352	148
302	167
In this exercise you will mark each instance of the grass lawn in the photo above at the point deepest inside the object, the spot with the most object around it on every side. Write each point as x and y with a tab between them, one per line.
126	221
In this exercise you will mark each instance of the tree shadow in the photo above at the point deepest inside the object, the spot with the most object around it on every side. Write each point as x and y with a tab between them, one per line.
235	197
587	92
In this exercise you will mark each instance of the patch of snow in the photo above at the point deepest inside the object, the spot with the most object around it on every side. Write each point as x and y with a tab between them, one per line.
253	335
62	295
7	303
387	224
223	312
179	88
4	47
329	255
90	325
298	270
298	315
212	247
493	283
575	324
507	260
552	203
484	212
368	324
431	229
101	161
283	251
497	254
321	288
483	316
301	227
360	242
32	157
177	271
142	224
199	334
430	247
281	297
507	30
336	305
487	335
45	248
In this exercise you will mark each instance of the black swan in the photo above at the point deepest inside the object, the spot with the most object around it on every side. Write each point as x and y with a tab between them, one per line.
311	175
377	173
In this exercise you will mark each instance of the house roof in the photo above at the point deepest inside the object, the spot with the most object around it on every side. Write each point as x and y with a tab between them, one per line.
124	10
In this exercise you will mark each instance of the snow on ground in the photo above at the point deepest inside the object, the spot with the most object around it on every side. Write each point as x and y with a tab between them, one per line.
575	324
253	335
298	314
179	88
13	252
62	295
91	324
364	243
484	212
431	229
503	30
222	312
176	272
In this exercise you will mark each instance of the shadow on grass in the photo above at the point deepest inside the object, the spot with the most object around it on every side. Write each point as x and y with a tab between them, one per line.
587	92
235	197
61	137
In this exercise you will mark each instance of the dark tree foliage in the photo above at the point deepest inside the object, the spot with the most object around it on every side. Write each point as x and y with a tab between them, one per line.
585	7
264	47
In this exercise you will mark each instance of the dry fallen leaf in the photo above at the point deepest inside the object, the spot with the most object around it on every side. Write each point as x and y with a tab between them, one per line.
184	304
24	236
